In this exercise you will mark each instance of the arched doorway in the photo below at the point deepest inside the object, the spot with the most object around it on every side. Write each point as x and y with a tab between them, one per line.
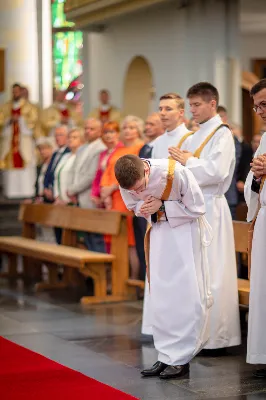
138	88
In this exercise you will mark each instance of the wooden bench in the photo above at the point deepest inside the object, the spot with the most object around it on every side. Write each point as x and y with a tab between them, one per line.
241	246
76	262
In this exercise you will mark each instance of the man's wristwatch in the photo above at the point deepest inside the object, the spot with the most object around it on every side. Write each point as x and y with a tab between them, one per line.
162	208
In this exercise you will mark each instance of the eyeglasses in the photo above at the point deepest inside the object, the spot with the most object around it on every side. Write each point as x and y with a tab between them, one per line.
261	107
143	186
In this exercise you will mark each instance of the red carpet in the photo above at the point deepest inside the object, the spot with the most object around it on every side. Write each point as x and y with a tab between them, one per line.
25	375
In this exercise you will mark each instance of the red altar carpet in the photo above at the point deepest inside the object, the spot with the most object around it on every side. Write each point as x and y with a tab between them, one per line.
26	375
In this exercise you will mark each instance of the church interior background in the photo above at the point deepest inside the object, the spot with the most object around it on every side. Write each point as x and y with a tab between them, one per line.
64	49
138	50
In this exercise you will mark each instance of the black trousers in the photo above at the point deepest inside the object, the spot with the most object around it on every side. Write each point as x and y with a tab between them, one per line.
140	226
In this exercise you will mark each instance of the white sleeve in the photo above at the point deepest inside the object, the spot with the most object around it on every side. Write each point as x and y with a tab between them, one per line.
132	203
251	197
215	168
190	204
154	150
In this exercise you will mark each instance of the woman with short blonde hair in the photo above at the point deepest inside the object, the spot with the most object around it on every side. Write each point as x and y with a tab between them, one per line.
131	122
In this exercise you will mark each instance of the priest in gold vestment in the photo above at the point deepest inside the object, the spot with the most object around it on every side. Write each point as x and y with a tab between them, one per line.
18	131
60	113
105	112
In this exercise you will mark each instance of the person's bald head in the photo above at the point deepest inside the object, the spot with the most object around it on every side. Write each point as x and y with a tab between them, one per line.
93	129
153	127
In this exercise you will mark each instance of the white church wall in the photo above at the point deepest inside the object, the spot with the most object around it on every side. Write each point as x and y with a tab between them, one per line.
18	36
183	46
253	46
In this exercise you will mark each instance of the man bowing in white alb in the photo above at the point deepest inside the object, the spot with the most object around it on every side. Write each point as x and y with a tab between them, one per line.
210	155
168	196
171	111
255	196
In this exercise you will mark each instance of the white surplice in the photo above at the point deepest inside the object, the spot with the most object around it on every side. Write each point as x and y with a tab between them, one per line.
180	295
256	348
213	172
160	150
168	139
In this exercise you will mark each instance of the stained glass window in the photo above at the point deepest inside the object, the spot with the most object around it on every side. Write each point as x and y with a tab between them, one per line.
67	48
58	15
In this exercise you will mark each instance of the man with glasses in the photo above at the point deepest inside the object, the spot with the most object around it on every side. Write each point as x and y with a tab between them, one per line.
255	196
168	196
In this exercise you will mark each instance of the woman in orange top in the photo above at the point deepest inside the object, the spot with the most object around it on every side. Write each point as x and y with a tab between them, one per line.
132	134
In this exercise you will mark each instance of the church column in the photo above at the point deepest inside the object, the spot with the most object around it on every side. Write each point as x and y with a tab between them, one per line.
92	70
18	36
45	52
234	66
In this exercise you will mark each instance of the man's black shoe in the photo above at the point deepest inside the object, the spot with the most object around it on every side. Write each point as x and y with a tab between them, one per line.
155	370
260	373
174	371
213	352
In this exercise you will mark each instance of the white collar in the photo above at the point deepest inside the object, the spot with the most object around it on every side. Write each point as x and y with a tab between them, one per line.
216	120
62	149
61	106
105	107
151	144
176	130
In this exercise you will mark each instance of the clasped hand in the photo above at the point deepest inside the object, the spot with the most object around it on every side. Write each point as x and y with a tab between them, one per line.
180	155
258	166
150	206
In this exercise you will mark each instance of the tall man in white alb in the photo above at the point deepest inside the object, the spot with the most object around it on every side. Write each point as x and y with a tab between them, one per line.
210	155
171	110
255	196
168	196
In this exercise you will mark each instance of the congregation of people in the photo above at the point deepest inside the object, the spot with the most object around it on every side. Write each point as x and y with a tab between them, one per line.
197	167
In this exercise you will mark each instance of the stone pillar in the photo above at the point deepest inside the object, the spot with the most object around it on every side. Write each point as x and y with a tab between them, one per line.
18	36
44	22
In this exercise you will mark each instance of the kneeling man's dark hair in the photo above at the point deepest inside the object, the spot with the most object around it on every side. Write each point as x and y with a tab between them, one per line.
128	170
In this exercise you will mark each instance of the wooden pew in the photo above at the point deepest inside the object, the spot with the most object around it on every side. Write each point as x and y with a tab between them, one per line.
241	246
74	260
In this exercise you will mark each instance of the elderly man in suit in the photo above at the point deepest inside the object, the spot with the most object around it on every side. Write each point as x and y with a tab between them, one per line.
61	138
83	173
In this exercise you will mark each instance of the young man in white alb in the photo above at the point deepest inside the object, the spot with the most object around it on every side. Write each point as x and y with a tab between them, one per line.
168	196
209	154
171	111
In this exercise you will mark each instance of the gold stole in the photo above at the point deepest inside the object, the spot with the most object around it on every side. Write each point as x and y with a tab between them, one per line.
208	138
252	226
182	141
164	197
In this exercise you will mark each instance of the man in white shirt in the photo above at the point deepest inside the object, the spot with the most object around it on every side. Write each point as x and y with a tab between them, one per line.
210	154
